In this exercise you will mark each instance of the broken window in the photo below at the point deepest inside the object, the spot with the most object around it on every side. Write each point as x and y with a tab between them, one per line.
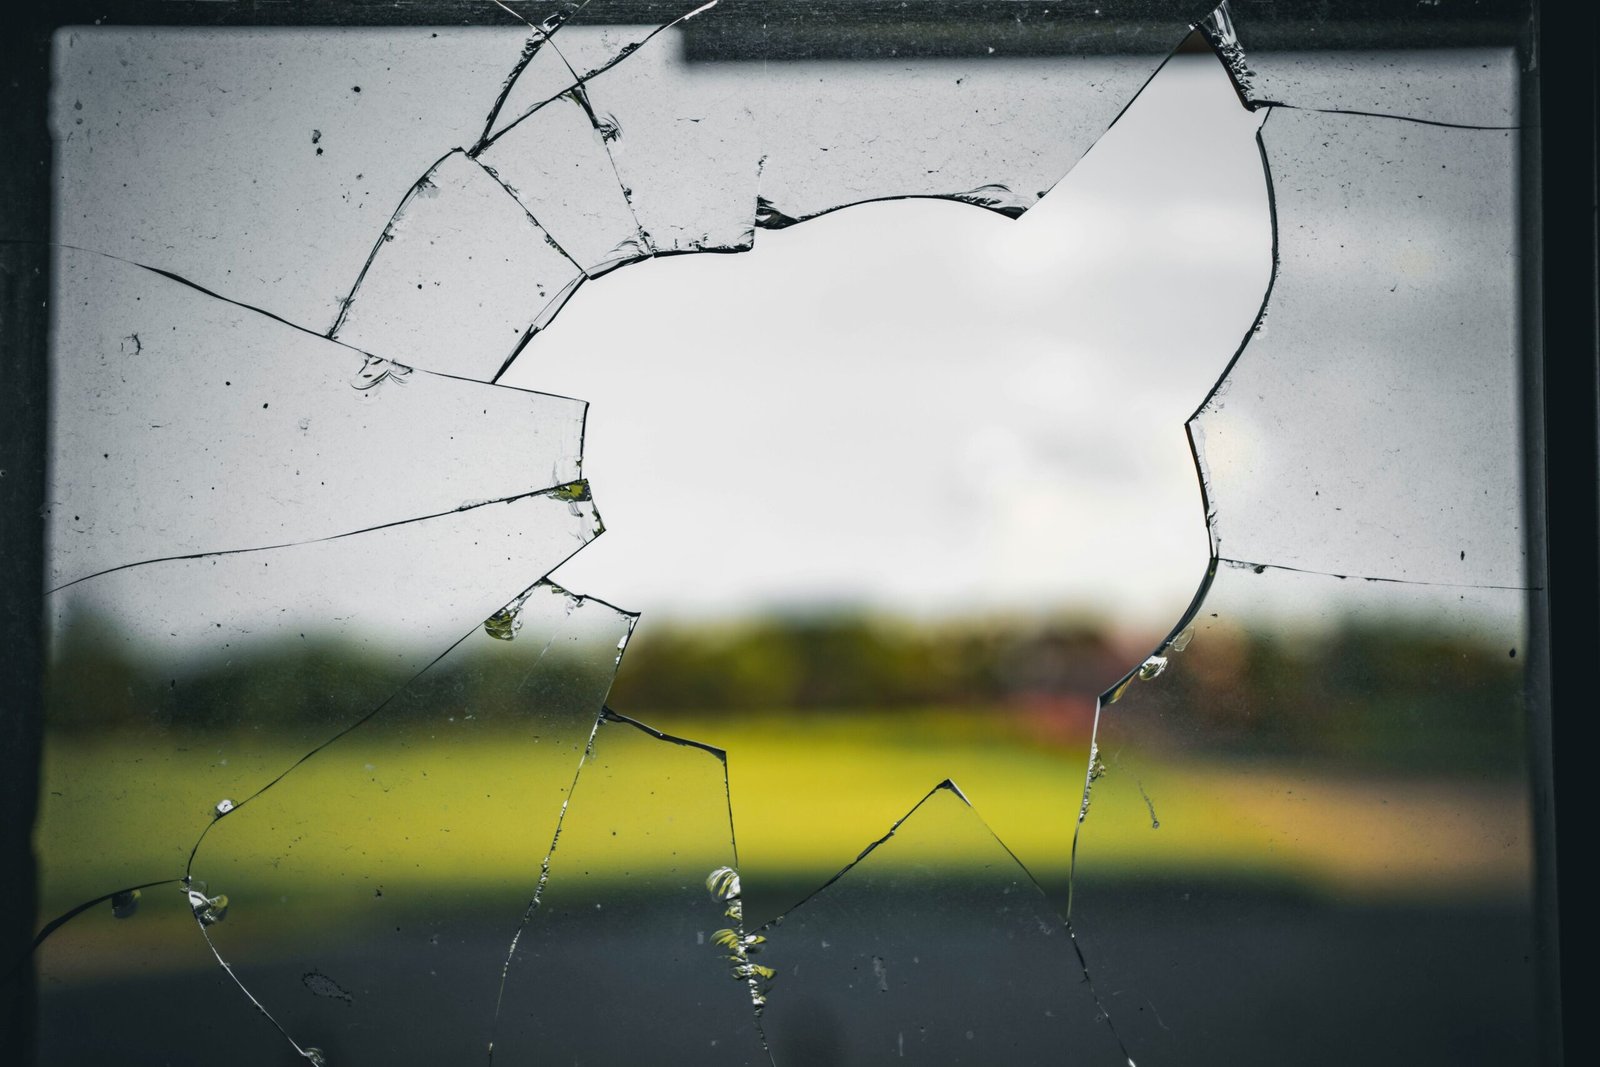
344	756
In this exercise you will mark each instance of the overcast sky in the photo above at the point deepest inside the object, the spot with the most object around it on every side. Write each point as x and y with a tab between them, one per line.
921	407
916	407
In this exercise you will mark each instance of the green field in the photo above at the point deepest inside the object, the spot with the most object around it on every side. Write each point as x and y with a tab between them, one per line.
478	810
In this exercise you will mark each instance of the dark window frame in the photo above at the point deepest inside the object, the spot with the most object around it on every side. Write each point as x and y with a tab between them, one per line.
1562	376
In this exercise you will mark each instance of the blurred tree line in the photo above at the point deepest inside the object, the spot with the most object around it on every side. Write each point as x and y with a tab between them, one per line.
814	662
1372	695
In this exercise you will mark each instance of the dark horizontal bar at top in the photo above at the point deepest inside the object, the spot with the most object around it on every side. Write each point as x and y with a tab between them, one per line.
901	40
739	30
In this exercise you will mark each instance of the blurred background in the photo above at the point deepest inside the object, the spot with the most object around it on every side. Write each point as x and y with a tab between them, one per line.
898	494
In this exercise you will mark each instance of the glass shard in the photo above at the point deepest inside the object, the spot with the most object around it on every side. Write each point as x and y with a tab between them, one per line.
936	946
458	278
686	147
185	424
945	117
558	164
625	917
1371	425
949	128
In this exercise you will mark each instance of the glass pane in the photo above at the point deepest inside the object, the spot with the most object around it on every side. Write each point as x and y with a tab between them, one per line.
1036	743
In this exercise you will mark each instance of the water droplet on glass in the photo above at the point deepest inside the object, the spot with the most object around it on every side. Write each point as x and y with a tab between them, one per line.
223	807
723	883
573	492
503	624
738	946
323	986
208	910
125	903
375	371
1181	642
1152	668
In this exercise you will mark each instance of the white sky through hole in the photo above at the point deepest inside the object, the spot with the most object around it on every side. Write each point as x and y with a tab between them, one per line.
921	407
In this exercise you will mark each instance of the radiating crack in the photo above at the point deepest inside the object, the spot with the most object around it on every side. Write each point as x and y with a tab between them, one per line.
542	33
544	876
386	235
1258	568
1269	104
490	171
565	491
307	1052
190	283
637	826
72	913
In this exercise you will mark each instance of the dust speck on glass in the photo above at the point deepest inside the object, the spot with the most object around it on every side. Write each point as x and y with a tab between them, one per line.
1113	410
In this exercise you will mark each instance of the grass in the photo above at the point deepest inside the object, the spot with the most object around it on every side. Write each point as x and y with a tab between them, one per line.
395	812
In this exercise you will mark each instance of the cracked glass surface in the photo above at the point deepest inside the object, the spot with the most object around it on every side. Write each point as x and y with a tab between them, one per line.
316	692
858	980
640	875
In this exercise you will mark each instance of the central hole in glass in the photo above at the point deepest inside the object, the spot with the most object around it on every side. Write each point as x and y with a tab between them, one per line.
900	490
